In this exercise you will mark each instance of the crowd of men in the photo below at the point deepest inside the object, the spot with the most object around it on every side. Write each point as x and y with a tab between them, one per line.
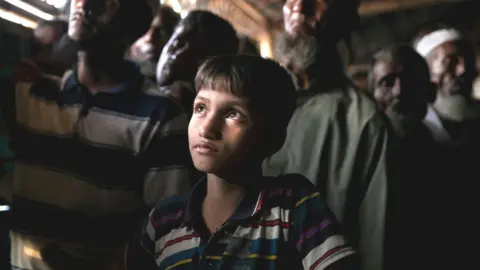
100	117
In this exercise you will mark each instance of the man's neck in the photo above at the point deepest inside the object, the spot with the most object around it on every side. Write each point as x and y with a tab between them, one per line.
97	75
457	108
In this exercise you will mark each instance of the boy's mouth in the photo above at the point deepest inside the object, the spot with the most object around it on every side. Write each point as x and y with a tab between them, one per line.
205	148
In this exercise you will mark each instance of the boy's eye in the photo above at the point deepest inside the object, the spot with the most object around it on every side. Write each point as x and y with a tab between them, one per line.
236	115
199	108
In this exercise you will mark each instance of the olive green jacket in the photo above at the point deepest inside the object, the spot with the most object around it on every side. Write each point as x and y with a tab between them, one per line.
338	140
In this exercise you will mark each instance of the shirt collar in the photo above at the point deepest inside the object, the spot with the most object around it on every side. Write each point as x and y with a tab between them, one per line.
132	78
250	205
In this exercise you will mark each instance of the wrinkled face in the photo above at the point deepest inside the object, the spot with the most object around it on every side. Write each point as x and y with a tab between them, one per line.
451	70
181	56
91	19
399	91
301	16
224	134
150	45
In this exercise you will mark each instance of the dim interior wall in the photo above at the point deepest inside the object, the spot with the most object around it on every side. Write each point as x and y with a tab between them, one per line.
14	42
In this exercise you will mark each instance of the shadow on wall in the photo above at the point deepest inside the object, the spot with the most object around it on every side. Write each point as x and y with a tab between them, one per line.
12	49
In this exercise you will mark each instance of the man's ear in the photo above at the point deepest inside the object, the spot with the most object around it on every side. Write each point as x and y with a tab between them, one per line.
431	94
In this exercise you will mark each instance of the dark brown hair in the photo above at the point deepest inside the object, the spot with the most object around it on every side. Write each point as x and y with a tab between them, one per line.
264	83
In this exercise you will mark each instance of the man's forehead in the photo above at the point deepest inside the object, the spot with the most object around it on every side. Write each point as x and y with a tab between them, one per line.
446	48
383	65
191	32
383	68
183	29
317	5
293	2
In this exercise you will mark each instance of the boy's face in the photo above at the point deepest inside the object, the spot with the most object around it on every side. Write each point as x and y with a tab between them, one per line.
225	134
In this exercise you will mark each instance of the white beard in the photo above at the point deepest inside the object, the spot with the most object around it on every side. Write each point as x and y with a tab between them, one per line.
457	108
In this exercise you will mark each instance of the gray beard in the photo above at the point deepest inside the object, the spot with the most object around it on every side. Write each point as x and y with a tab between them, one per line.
299	51
457	108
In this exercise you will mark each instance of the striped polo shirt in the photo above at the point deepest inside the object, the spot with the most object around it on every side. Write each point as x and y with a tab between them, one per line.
88	163
281	224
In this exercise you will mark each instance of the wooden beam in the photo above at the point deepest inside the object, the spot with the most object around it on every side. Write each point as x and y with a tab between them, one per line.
251	11
377	7
242	20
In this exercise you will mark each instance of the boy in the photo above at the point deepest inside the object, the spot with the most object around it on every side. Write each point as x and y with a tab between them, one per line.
236	218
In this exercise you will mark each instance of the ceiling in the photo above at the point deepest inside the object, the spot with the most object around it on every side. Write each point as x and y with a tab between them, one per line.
272	9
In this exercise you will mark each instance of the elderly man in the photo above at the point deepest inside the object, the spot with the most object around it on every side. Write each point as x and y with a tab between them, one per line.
452	63
336	138
400	84
454	120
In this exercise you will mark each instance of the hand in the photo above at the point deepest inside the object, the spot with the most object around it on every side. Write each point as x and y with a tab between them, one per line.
300	17
76	20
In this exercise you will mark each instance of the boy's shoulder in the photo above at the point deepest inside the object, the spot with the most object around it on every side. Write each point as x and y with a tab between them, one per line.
292	187
172	203
170	210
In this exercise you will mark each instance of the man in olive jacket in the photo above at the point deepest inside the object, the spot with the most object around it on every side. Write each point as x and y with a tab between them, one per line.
336	138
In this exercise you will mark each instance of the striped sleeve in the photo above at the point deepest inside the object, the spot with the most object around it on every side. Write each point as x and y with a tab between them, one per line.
316	234
140	253
167	157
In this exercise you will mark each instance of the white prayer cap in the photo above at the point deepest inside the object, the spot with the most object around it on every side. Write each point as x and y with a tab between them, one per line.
430	41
